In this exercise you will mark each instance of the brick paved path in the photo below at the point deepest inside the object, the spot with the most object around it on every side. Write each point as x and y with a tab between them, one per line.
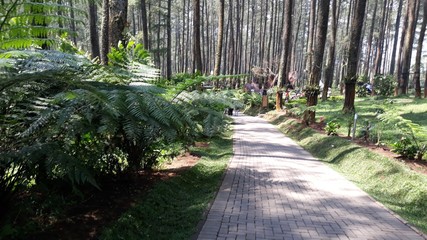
274	189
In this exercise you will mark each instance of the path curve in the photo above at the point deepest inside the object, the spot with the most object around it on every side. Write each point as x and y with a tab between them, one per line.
273	189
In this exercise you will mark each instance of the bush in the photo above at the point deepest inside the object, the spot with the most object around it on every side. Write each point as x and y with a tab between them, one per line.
332	128
384	85
405	148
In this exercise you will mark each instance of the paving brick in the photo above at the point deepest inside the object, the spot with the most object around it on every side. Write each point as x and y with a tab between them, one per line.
273	189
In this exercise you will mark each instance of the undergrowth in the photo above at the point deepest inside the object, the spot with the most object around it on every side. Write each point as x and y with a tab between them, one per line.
174	207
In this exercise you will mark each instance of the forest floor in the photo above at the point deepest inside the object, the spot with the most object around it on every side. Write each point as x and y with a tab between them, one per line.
86	220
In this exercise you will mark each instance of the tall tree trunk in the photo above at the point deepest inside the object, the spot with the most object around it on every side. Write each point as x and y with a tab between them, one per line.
425	86
379	49
169	42
197	54
118	21
144	22
287	40
73	24
312	91
369	41
105	46
94	37
353	55
231	41
407	47
330	64
311	37
396	38
220	38
419	52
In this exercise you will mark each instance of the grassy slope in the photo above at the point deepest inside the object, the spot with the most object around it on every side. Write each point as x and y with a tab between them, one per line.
388	181
174	207
366	108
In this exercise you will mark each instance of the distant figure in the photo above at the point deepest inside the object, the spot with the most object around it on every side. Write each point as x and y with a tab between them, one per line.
368	87
252	87
293	77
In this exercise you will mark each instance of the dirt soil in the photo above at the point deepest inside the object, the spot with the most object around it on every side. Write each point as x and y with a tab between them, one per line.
87	219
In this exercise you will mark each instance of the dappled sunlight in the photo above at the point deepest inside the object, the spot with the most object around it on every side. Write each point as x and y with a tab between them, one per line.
275	189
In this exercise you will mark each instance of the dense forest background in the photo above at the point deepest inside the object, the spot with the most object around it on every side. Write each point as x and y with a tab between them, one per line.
175	34
253	34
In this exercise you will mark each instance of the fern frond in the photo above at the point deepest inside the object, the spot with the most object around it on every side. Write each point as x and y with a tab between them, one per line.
28	23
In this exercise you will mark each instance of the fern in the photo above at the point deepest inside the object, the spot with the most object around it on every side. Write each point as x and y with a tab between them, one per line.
51	97
28	23
413	135
206	109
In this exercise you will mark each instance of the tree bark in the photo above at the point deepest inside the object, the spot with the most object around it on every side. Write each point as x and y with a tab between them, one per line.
287	39
312	91
197	54
330	65
220	38
73	24
369	41
144	23
353	55
105	46
417	70
94	37
407	47
118	22
396	38
311	37
169	42
379	50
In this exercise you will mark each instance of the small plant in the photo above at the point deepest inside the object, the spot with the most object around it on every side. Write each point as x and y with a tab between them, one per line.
366	131
405	148
421	151
332	128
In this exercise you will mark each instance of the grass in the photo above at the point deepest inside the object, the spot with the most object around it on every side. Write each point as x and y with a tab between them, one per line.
387	180
368	109
173	208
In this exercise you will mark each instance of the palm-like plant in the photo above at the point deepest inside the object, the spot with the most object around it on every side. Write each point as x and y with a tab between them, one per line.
57	122
34	23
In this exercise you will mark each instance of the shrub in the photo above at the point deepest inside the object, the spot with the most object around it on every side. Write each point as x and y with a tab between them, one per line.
405	148
332	128
384	85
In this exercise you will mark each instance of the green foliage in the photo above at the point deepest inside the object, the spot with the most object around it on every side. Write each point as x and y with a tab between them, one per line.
405	148
160	214
332	128
34	23
366	131
132	63
384	85
206	110
413	141
252	99
65	118
337	98
384	116
66	121
176	79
